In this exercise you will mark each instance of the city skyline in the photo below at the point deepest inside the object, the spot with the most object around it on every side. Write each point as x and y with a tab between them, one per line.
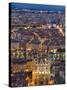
37	44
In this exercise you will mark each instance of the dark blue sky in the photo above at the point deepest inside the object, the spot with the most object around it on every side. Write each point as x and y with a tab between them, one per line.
37	7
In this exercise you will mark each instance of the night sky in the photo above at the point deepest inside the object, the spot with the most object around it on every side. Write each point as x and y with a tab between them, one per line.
37	7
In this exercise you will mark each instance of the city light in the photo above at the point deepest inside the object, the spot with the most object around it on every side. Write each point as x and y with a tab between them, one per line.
37	47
